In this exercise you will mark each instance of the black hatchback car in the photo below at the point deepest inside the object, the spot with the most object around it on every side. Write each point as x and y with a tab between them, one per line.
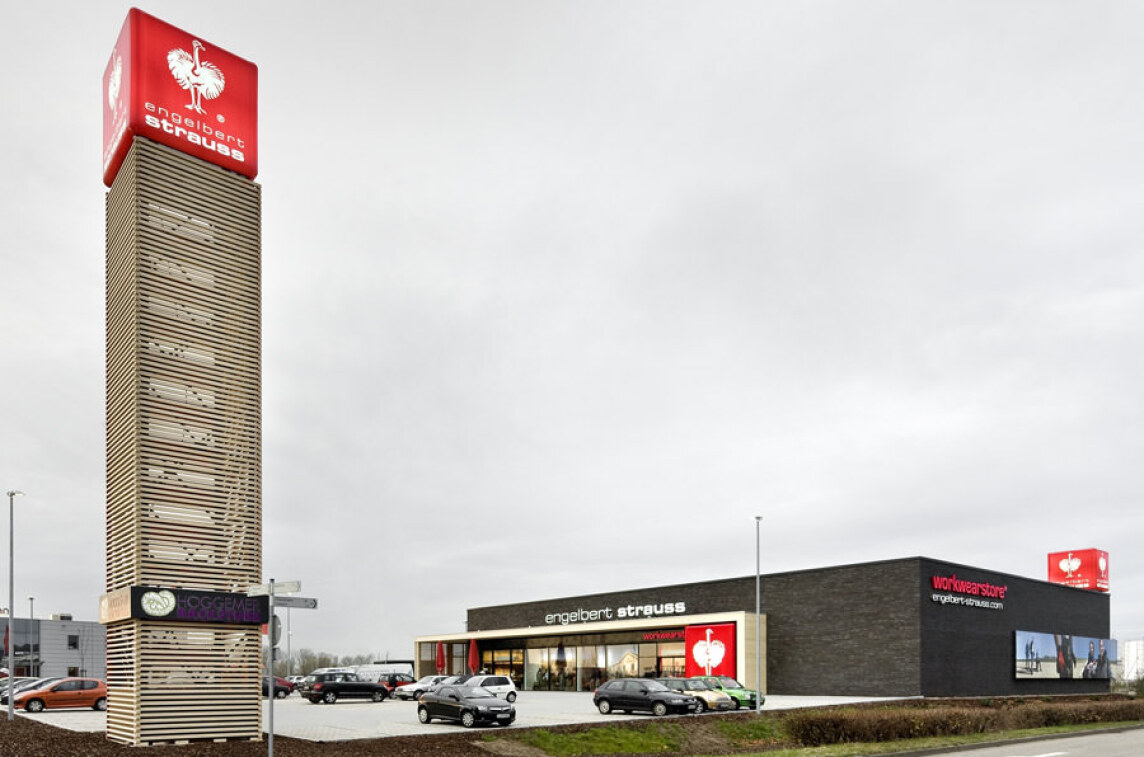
467	705
641	694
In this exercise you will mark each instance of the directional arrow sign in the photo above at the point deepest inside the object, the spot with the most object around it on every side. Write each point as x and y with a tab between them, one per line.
280	587
297	603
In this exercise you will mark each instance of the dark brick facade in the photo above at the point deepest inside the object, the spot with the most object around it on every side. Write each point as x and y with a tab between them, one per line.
967	650
871	629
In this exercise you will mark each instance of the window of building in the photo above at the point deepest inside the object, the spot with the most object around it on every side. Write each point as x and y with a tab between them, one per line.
73	642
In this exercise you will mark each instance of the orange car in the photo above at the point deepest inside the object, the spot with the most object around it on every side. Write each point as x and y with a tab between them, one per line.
66	692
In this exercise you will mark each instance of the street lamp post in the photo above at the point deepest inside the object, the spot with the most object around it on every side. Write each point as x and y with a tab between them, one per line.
12	494
758	624
32	616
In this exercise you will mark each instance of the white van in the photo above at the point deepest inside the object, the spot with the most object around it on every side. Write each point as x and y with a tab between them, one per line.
380	672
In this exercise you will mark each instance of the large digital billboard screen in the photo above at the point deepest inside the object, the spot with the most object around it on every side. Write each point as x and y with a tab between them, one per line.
1061	655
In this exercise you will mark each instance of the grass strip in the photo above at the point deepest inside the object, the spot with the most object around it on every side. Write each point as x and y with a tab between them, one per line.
660	737
931	742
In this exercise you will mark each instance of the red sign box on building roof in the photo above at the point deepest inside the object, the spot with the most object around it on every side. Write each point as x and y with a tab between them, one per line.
1082	568
180	90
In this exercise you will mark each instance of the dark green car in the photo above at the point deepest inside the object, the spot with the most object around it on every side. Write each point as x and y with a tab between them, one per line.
742	696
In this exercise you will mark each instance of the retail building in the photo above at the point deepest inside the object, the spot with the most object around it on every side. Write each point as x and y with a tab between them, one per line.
906	627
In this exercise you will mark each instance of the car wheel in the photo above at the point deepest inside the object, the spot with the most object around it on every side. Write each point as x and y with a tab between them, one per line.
330	697
468	719
34	705
423	714
604	706
659	709
280	693
735	703
100	704
378	696
511	696
700	706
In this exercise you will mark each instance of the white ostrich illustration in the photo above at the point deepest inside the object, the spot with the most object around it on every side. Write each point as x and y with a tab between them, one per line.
114	82
202	78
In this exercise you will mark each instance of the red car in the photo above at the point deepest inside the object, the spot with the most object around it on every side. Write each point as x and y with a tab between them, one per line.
282	687
66	692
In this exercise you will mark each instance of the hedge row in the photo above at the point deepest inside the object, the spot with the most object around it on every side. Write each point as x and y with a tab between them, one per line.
845	725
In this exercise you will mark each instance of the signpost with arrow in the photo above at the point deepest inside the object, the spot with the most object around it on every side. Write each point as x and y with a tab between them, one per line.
274	631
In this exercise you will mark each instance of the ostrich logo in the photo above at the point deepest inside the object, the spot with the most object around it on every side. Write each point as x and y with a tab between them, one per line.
114	82
202	78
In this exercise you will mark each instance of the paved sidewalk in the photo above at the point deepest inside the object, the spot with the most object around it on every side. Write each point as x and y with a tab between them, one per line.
297	718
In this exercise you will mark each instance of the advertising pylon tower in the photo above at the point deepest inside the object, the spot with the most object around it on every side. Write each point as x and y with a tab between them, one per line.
184	512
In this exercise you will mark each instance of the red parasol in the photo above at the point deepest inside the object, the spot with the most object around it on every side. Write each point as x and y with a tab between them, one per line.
474	656
440	657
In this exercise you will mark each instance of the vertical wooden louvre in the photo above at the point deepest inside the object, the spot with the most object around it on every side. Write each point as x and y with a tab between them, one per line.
184	500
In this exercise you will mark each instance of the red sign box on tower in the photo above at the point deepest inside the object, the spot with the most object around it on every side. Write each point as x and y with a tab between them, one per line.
177	89
1081	568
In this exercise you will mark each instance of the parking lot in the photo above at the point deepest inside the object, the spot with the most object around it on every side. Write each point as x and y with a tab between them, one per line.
349	719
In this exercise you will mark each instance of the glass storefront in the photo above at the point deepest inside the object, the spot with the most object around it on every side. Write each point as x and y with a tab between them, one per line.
504	662
583	662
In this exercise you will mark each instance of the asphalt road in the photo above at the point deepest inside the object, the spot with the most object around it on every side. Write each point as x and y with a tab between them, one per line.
1129	743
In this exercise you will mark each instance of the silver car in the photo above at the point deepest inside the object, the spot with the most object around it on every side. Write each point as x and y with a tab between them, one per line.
417	688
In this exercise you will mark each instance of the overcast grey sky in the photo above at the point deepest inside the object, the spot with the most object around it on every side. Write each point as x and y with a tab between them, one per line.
557	296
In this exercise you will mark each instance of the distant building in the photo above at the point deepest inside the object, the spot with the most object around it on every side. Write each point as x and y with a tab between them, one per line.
57	647
1133	655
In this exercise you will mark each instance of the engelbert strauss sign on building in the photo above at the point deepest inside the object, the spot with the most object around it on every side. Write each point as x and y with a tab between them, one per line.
183	605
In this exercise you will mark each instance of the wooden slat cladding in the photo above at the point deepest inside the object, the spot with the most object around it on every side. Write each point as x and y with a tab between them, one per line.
169	682
184	428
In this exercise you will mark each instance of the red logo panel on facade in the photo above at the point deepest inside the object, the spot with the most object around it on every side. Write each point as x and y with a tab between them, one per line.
181	91
710	650
1081	568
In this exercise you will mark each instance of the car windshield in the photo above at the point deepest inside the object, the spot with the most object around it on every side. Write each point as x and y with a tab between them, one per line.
696	685
730	683
477	691
39	683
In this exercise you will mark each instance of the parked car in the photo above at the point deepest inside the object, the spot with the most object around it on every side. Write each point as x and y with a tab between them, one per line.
417	688
502	686
66	692
642	694
282	687
295	680
743	696
392	681
469	705
445	681
22	685
707	697
330	687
